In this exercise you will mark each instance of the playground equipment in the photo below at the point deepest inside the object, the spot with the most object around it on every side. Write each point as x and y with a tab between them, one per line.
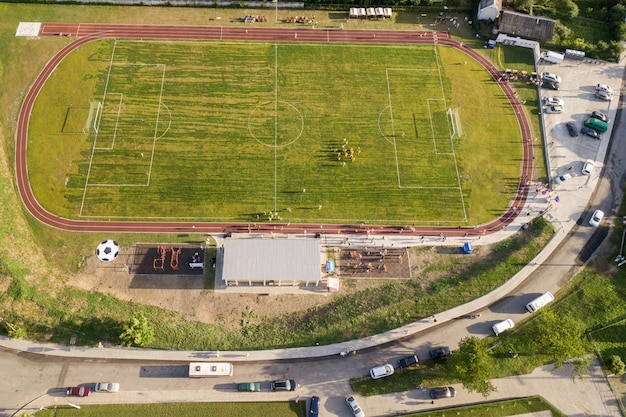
174	260
159	263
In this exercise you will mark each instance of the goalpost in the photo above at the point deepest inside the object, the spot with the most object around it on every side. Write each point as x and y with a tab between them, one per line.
455	123
96	119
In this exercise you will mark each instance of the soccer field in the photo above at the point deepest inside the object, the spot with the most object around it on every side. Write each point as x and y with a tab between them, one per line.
264	131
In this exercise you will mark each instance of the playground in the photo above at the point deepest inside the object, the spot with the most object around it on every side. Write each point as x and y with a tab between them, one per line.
168	260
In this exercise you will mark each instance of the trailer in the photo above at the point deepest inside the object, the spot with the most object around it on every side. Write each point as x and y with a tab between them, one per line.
209	369
552	57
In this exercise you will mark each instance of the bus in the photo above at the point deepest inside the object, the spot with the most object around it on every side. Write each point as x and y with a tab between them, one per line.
208	369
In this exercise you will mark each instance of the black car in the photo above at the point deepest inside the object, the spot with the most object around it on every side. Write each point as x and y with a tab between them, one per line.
284	385
315	407
600	116
412	360
572	129
440	352
590	132
442	392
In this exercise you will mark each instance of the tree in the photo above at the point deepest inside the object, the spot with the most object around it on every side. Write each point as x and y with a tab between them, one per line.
566	8
615	366
473	366
137	332
559	336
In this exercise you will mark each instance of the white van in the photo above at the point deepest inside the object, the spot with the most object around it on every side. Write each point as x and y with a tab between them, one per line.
502	326
539	302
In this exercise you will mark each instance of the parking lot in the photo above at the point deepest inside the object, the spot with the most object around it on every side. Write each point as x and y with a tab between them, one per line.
567	154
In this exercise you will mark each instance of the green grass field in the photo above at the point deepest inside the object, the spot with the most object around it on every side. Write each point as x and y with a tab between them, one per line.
310	133
251	409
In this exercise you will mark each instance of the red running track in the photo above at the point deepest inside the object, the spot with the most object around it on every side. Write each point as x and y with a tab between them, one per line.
89	32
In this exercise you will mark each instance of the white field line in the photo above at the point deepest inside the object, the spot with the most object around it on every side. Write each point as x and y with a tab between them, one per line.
95	139
156	123
456	164
393	131
275	126
117	122
154	140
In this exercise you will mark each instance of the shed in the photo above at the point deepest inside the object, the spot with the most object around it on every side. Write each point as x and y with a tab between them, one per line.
330	266
489	9
530	27
272	261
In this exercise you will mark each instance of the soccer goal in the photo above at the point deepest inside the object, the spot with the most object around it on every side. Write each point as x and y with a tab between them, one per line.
455	122
97	116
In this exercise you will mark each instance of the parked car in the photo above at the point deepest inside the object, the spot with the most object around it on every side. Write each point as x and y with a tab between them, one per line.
553	101
78	391
588	167
603	95
442	392
412	360
600	116
107	387
502	326
596	218
440	352
554	109
562	178
356	410
314	409
590	132
249	387
547	76
381	371
604	87
572	129
284	385
550	85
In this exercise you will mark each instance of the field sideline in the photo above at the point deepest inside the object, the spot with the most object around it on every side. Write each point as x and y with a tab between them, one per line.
317	209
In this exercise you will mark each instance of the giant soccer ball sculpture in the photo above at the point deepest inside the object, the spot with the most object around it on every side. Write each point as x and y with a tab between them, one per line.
107	250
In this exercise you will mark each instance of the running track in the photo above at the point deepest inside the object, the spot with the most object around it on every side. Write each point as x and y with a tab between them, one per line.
85	33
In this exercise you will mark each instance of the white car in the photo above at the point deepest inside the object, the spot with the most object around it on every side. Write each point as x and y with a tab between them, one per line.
356	410
603	95
554	109
107	387
553	101
381	371
588	167
562	178
596	218
547	76
605	88
502	326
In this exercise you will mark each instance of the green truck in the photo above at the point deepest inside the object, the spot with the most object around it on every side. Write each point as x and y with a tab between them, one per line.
249	387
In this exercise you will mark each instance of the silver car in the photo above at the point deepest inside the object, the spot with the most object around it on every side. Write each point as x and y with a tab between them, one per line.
603	95
356	410
107	387
596	218
554	109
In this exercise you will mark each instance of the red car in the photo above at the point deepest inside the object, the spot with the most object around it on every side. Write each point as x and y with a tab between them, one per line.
78	391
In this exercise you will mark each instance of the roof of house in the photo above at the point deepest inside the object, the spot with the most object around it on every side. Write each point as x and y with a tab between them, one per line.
272	260
526	26
488	3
